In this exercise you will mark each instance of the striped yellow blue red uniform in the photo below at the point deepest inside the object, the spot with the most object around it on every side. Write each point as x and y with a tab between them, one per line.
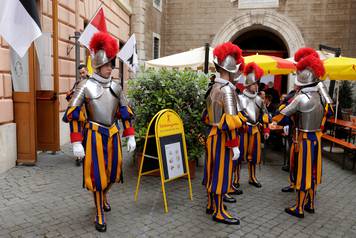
306	170
103	155
250	145
218	165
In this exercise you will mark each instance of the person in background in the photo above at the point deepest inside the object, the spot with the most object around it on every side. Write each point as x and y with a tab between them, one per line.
262	95
83	74
283	96
261	87
273	92
269	105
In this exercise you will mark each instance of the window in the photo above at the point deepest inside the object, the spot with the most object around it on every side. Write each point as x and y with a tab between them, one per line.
156	45
157	4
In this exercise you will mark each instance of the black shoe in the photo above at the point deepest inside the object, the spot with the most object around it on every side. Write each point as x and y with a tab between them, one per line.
229	221
229	199
235	185
285	168
310	210
256	184
107	208
294	213
78	161
236	192
209	211
287	189
100	227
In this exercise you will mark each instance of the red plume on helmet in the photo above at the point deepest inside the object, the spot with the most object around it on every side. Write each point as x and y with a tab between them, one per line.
253	68
104	41
304	52
225	49
312	63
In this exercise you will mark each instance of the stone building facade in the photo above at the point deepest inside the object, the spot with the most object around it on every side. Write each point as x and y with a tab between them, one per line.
276	27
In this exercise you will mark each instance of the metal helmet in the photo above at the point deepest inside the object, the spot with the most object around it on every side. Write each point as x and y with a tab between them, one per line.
309	67
305	77
228	57
104	48
253	74
228	64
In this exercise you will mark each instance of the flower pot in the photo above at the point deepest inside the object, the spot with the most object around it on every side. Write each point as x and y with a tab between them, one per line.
191	164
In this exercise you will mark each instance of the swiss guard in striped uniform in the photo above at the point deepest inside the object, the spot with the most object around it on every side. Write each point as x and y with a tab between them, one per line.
105	104
222	142
254	115
311	107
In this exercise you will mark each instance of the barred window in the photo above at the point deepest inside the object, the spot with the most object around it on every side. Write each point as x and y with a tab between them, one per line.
156	46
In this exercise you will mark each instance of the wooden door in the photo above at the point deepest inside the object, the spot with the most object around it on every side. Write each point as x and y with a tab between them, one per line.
25	117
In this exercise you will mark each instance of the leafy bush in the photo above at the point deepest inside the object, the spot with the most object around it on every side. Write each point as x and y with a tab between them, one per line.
183	91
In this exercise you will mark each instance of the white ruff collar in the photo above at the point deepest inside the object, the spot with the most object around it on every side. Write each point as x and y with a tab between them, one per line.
224	81
248	94
100	79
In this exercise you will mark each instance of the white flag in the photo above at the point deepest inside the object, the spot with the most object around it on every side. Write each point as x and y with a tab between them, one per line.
96	24
128	54
19	24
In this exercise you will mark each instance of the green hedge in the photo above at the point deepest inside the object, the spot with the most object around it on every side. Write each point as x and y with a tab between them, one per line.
183	91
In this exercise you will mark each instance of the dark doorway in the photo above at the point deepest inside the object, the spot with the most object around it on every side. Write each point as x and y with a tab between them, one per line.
264	42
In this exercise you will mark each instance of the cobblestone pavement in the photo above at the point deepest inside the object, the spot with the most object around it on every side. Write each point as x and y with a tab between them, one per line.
47	201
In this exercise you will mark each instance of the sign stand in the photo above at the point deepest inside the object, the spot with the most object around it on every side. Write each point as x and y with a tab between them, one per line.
165	151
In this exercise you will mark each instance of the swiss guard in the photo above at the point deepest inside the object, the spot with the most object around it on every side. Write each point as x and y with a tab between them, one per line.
254	115
100	144
222	143
309	107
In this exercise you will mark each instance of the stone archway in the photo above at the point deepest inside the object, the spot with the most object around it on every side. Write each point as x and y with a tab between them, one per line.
261	19
264	19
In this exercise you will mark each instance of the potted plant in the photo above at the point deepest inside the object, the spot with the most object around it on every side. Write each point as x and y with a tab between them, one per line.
183	91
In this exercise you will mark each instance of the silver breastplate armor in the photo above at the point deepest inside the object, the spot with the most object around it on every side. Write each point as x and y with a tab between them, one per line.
252	107
309	109
102	100
222	99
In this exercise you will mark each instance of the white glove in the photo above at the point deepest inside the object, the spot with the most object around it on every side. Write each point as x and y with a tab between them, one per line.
286	130
236	152
78	149
266	136
131	143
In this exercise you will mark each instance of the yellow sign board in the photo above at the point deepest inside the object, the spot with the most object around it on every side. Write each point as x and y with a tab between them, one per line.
165	143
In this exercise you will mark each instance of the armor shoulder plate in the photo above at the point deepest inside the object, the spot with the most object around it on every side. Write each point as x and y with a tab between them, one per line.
259	102
294	106
79	94
229	97
117	91
93	89
309	102
116	88
242	102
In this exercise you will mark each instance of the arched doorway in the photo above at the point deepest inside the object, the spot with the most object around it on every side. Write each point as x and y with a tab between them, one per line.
263	41
272	22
